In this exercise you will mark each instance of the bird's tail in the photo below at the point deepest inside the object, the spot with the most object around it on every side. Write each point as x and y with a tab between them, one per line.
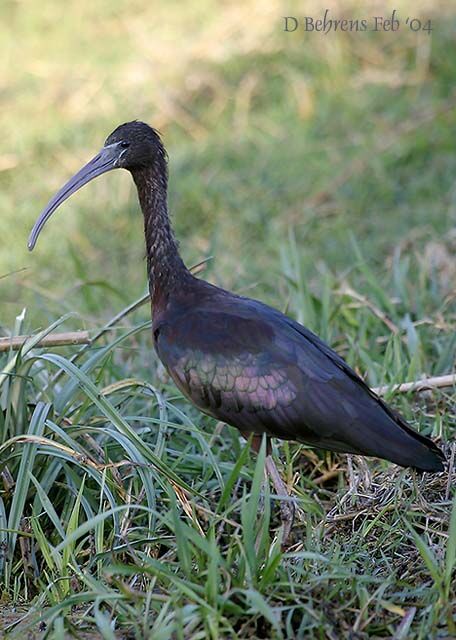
412	449
386	435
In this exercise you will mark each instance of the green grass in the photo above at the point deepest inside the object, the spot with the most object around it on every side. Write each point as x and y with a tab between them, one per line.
319	176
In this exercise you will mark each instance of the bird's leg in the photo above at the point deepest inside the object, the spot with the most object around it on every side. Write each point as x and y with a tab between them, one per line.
287	510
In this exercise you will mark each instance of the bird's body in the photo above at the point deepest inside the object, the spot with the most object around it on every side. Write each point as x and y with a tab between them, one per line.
254	368
238	359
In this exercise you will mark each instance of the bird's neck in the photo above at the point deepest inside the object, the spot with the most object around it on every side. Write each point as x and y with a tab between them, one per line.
165	268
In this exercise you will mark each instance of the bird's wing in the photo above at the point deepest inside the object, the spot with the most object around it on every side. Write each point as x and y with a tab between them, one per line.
227	364
254	368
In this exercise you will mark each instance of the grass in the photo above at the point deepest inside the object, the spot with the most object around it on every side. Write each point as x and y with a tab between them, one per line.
319	174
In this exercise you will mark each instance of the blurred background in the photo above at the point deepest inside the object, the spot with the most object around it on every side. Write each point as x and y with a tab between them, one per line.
282	146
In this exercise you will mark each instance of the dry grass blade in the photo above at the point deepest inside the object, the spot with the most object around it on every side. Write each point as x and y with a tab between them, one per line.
186	505
41	440
424	384
346	290
52	340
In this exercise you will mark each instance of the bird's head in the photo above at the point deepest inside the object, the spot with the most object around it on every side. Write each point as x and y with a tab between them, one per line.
132	146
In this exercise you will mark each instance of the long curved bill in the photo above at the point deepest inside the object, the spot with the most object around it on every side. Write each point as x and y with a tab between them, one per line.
104	161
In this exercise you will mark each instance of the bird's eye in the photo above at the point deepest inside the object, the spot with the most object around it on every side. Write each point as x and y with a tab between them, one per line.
124	144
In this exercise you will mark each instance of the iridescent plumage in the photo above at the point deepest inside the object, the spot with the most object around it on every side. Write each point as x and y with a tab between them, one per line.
252	367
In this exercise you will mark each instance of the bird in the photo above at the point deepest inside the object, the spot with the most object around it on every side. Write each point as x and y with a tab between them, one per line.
237	359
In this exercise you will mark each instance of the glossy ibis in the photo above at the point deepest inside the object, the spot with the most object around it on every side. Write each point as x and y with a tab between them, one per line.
238	359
